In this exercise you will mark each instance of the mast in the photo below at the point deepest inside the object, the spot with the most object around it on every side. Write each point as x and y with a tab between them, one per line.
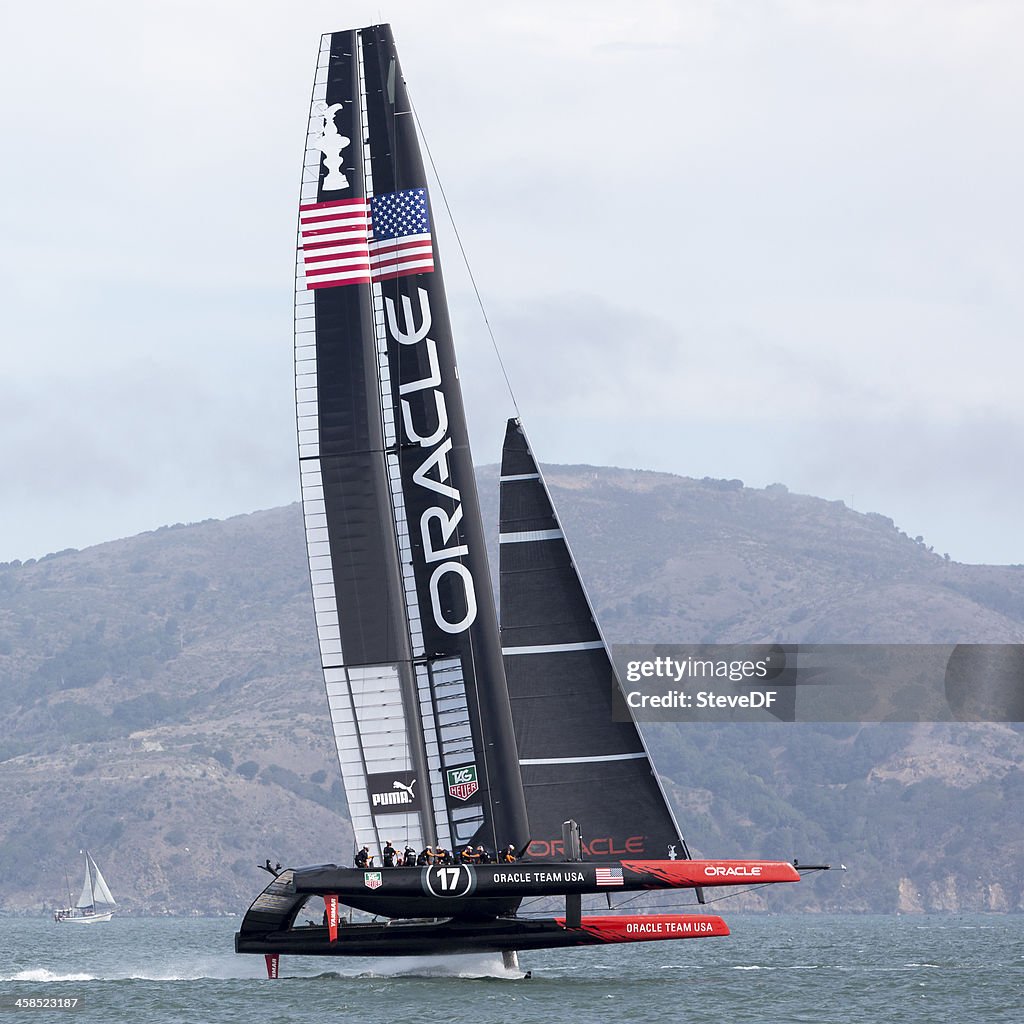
405	616
88	896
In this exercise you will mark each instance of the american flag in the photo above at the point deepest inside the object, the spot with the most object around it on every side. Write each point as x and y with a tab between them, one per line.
334	242
350	241
400	243
609	876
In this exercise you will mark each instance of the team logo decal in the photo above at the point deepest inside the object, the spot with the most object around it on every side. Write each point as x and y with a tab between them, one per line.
331	142
372	879
462	782
392	792
449	881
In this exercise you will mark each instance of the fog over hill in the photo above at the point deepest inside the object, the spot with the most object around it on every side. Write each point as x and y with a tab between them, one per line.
162	701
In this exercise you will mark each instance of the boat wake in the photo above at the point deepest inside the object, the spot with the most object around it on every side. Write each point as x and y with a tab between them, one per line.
42	974
469	965
199	970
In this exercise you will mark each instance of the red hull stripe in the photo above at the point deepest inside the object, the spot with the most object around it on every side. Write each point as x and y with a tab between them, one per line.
650	927
686	873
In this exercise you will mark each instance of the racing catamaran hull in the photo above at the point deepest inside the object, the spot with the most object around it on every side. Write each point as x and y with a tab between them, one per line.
498	935
463	908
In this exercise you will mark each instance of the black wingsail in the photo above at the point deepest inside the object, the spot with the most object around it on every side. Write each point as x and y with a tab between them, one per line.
405	616
576	761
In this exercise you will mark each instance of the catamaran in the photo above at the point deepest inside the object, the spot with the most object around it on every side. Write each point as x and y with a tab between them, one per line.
449	732
95	904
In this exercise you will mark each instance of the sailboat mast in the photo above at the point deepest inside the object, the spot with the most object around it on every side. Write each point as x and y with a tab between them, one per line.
401	589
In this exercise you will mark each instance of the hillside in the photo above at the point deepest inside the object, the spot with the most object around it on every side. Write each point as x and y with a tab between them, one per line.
162	700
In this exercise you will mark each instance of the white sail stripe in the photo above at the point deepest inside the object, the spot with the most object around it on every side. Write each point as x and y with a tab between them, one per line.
321	279
587	645
313	255
316	270
325	231
518	476
340	207
331	234
530	535
379	269
395	254
336	239
408	242
584	760
312	213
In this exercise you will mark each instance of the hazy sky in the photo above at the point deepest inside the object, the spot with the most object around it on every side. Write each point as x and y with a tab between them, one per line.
775	241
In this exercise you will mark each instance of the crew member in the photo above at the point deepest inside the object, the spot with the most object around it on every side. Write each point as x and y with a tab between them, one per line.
425	857
388	854
469	855
483	857
409	858
508	855
364	859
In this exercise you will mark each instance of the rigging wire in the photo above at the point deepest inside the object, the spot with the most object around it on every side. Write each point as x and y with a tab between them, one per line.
508	384
465	257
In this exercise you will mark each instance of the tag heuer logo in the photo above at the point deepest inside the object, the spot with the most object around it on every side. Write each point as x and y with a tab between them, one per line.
462	782
372	879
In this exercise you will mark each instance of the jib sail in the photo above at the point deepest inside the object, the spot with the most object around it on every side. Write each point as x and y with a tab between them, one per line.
575	760
401	589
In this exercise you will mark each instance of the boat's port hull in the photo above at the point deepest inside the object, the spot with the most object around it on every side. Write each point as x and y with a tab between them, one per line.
416	938
83	918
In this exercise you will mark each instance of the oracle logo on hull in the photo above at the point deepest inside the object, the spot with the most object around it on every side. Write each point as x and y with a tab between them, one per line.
733	871
438	525
603	846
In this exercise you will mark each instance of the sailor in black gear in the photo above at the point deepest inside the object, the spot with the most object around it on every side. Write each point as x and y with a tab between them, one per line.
388	854
482	856
364	858
409	859
426	857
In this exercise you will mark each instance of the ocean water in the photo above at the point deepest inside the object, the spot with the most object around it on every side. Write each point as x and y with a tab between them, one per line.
772	970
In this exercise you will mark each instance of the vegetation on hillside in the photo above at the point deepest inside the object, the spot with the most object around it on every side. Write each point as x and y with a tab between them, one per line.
162	701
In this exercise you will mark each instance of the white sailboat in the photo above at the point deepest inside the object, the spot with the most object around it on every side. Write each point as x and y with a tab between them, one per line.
95	904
